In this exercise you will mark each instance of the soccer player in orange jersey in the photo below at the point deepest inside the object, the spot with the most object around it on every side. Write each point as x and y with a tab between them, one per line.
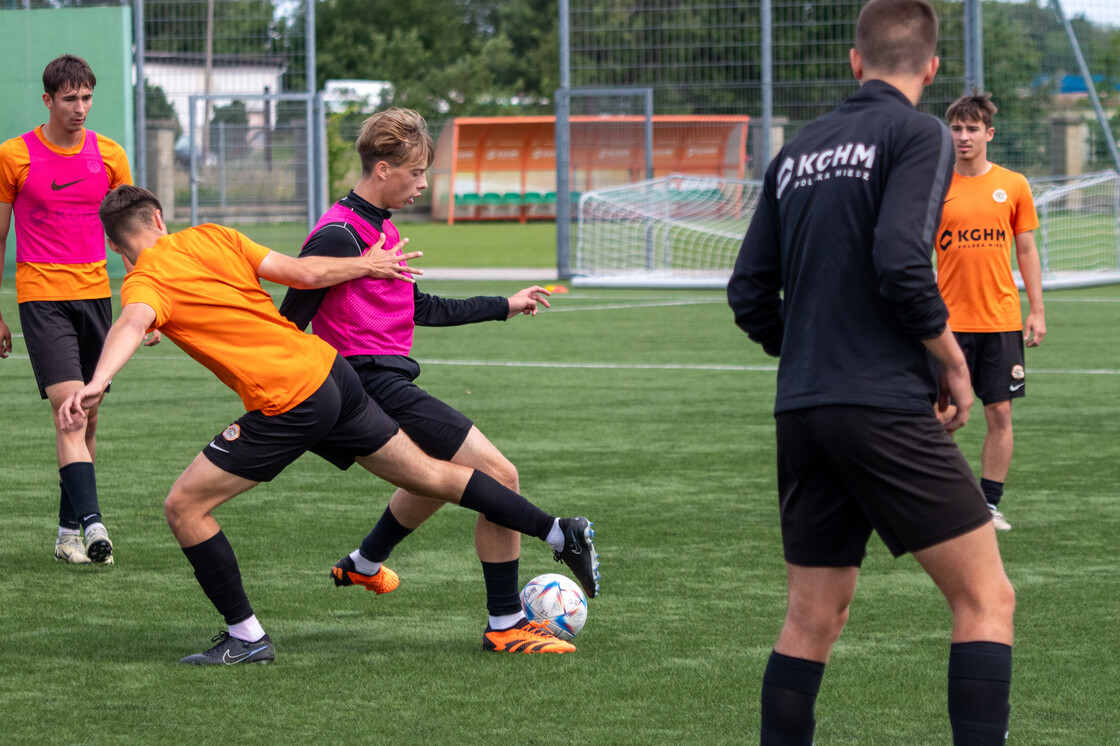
201	287
987	210
52	180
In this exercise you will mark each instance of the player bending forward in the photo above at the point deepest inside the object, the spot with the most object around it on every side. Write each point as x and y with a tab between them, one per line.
201	288
371	322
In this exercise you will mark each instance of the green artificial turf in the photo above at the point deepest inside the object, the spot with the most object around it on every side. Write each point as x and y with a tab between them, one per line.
647	411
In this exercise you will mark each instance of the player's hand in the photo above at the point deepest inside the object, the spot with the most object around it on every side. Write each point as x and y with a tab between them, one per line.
527	300
1034	329
956	390
153	338
5	339
385	264
72	412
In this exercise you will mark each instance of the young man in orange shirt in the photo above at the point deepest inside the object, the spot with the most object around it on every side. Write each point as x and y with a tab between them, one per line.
201	287
987	209
52	180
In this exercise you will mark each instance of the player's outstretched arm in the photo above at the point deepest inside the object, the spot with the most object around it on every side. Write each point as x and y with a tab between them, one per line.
122	341
311	272
1030	267
526	301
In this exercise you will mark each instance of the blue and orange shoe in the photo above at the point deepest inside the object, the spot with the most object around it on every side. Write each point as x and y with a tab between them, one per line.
383	581
524	637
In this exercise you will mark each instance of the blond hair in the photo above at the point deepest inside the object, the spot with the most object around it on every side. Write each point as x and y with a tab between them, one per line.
397	136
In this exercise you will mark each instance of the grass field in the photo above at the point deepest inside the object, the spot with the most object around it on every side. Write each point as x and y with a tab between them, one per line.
647	411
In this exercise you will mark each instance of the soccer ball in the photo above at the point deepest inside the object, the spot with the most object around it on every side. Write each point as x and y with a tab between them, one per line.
556	600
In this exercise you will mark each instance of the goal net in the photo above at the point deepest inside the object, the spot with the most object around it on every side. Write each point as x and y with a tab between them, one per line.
685	231
672	231
1078	234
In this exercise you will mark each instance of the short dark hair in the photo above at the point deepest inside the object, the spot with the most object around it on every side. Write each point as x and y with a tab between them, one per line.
397	136
975	107
67	72
125	210
897	36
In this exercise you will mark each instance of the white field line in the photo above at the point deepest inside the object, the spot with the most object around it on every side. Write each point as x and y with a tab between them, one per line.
144	356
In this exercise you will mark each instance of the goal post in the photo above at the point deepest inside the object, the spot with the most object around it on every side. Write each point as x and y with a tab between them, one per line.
1078	234
685	231
673	231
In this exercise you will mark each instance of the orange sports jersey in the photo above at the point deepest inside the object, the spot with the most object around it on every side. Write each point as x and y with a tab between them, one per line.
202	283
58	281
979	221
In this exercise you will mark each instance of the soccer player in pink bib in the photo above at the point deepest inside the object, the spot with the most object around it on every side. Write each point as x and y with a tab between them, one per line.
371	322
52	180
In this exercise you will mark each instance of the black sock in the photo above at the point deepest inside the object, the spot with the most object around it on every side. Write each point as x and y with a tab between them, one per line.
80	485
503	506
386	534
502	595
216	570
789	693
979	692
67	518
993	490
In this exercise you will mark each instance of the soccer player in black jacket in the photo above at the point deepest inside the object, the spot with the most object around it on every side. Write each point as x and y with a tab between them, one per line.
835	278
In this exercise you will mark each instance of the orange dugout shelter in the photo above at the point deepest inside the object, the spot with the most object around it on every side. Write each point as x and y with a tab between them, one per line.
504	168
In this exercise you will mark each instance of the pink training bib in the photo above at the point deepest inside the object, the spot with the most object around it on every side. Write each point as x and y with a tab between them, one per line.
366	316
56	209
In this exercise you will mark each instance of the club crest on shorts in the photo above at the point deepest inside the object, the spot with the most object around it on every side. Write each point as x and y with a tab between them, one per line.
999	196
233	432
1018	373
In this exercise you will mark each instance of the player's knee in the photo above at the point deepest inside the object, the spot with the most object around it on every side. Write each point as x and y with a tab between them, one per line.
821	623
506	473
175	508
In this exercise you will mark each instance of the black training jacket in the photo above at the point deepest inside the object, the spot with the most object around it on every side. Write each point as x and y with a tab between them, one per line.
835	274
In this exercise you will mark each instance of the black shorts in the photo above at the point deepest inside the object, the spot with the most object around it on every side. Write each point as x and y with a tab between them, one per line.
844	471
64	338
995	362
338	423
438	428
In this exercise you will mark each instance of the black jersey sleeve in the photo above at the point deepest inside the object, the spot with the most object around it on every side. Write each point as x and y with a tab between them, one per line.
909	216
432	310
333	239
754	291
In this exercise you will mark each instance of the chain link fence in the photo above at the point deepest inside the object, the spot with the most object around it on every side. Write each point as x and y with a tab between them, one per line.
711	57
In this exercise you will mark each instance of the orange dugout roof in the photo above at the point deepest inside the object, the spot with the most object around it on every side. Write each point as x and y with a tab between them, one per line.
517	155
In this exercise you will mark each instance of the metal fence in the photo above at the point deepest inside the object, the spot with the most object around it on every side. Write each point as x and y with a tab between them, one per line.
787	62
1053	67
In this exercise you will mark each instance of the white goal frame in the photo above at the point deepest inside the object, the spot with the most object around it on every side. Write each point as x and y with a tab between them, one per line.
684	231
672	231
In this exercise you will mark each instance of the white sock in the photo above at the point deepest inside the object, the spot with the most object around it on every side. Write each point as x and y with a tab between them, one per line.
363	565
556	536
249	630
505	621
68	532
96	523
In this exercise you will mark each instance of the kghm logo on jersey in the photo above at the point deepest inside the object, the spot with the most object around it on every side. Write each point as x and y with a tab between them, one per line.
847	161
233	432
946	240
